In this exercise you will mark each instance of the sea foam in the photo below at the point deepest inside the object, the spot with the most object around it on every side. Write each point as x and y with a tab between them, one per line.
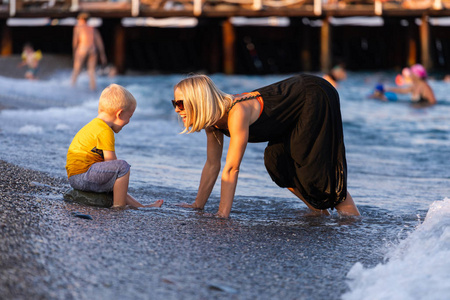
417	268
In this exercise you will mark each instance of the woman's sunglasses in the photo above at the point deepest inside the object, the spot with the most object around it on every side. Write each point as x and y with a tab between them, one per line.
178	103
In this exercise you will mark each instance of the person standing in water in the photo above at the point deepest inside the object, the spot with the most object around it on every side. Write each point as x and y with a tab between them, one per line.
87	43
421	92
299	117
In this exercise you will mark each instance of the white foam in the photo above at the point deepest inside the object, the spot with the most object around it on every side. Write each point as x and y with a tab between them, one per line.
30	129
417	268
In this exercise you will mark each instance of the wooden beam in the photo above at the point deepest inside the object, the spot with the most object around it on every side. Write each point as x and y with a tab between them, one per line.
6	42
425	42
325	54
119	48
229	38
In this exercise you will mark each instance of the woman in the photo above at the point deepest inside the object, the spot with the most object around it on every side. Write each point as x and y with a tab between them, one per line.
299	117
421	92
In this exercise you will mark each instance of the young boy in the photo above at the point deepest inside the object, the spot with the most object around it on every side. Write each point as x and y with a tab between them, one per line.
92	165
30	58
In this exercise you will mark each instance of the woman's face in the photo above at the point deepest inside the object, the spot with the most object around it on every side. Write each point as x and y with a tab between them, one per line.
179	109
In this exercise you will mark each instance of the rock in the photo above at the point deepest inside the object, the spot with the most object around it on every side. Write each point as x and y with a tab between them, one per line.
38	184
82	216
221	288
89	198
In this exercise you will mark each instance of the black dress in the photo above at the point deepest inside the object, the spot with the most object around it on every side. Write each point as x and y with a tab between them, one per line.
302	122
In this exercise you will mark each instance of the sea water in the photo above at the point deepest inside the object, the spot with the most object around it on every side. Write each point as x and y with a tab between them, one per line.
397	155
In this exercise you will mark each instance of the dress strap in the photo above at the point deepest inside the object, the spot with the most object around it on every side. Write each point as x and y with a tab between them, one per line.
244	97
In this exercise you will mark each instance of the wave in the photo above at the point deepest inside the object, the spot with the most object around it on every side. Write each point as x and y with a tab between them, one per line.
417	268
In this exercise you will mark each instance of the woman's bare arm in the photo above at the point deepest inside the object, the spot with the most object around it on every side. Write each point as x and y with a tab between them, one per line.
238	125
400	90
211	168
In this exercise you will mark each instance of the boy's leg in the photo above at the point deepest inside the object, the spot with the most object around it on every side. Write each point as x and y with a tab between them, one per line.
121	196
120	190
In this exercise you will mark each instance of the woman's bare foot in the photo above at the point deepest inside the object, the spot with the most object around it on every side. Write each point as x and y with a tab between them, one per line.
348	207
314	211
157	203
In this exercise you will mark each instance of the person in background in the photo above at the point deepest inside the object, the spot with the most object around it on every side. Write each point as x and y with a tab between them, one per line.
299	117
87	43
336	74
404	78
92	164
421	92
31	59
380	94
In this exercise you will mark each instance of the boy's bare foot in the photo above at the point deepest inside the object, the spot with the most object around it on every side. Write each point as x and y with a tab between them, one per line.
157	203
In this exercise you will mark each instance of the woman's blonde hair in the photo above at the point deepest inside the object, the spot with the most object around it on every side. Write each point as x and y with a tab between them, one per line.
204	103
115	97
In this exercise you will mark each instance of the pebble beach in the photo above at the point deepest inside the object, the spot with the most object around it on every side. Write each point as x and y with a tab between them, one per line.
48	253
270	248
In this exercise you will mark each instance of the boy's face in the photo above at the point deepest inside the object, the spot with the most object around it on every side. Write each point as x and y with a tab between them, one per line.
122	118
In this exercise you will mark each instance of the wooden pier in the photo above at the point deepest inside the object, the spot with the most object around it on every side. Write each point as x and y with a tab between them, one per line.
242	36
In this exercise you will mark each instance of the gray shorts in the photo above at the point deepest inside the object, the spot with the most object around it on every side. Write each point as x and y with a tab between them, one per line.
100	177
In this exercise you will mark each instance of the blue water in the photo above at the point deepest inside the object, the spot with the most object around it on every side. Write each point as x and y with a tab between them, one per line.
397	155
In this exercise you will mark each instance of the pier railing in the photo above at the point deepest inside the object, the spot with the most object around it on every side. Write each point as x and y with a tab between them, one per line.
216	7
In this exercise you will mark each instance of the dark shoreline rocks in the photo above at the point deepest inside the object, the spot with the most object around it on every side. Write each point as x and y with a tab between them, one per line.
92	199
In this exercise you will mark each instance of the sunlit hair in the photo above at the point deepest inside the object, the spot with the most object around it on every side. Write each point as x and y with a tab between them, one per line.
115	97
204	103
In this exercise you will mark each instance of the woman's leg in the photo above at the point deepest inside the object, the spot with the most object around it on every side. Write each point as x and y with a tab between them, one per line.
296	192
348	207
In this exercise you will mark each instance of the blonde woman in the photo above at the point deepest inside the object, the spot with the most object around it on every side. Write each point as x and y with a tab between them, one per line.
300	119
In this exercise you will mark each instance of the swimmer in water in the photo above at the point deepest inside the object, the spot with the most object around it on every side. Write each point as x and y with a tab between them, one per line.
336	74
421	92
381	94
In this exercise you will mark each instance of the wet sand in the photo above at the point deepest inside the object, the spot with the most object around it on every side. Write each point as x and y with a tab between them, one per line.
160	253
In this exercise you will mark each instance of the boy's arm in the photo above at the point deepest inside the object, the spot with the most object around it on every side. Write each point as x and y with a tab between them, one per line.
109	155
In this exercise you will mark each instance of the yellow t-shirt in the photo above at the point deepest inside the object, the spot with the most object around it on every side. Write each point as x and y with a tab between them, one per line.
87	146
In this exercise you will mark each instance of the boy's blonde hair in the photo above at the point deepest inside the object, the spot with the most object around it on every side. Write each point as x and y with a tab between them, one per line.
204	103
115	97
